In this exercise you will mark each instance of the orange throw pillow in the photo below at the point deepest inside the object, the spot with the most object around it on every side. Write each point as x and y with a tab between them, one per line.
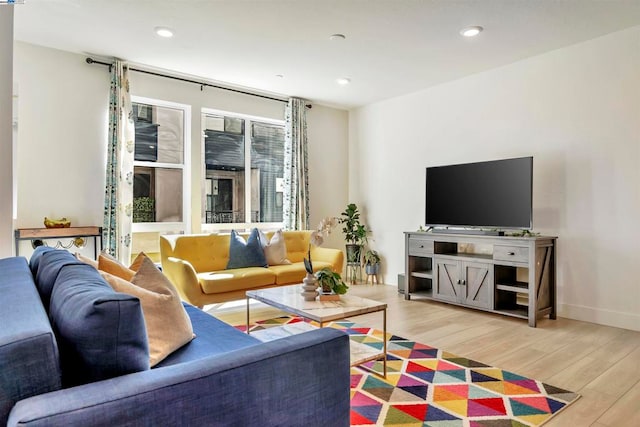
110	265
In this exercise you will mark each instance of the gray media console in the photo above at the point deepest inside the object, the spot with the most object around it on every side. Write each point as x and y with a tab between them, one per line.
514	276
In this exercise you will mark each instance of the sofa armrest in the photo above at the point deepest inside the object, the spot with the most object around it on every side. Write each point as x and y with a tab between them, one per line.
333	256
29	363
299	380
183	276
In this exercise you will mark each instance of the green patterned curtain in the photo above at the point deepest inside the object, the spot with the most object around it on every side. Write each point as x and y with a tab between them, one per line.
296	169
118	201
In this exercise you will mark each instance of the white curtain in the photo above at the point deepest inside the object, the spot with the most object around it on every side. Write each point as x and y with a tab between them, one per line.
296	171
118	203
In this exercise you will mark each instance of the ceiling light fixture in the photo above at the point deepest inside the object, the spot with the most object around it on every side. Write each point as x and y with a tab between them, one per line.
164	32
471	31
337	37
343	81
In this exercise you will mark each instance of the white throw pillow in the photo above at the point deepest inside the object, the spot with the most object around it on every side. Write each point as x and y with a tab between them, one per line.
275	250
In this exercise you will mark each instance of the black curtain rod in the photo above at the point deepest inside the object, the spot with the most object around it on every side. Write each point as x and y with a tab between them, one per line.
93	61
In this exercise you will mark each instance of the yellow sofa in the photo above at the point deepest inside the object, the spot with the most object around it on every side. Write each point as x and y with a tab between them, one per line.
196	264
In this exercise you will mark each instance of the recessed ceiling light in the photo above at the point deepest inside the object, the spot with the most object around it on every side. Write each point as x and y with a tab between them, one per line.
337	37
471	31
343	80
164	32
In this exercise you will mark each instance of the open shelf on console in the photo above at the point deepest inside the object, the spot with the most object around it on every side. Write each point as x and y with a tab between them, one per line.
521	287
427	293
420	280
519	311
427	274
511	290
511	278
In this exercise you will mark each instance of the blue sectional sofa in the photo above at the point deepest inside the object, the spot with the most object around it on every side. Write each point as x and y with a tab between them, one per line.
54	372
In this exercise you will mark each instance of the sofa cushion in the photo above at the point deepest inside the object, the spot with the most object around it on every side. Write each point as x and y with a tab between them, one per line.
50	265
297	244
232	280
275	249
101	333
212	337
34	261
167	324
247	253
294	273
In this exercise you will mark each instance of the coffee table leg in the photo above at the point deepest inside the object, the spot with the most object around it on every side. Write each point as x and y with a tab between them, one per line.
384	341
247	315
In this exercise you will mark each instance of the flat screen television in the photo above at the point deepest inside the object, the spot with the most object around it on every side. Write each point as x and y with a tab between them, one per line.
493	194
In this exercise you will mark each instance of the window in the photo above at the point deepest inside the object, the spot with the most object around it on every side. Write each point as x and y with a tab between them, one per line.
159	191
244	169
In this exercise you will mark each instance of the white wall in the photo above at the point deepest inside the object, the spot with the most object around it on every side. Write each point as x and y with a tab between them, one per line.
577	111
6	134
63	135
328	133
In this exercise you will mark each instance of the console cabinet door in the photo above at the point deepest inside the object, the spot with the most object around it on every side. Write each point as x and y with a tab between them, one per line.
446	286
477	285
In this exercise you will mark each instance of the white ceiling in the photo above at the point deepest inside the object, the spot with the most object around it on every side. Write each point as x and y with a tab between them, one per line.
392	47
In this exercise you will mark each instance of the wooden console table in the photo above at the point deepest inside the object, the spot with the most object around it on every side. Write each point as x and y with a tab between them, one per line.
60	233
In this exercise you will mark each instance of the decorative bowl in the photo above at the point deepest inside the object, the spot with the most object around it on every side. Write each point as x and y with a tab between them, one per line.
57	223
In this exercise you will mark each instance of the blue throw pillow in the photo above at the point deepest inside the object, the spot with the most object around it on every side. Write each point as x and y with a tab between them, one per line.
101	333
34	261
49	266
246	254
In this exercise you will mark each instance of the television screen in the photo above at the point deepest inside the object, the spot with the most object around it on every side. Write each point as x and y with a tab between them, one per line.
493	194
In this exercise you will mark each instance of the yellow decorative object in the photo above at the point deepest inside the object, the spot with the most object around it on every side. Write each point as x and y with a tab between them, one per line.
57	223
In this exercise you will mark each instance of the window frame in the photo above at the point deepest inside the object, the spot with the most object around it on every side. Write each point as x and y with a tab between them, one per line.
247	224
185	225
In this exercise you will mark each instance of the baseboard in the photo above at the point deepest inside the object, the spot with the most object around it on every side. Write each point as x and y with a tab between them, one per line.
600	316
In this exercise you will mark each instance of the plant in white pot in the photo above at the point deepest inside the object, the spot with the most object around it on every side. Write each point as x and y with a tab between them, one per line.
371	262
331	282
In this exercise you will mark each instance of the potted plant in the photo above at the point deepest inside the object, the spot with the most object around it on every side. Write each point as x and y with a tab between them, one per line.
371	262
330	281
355	233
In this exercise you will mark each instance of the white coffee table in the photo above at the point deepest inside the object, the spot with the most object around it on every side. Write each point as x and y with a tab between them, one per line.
288	299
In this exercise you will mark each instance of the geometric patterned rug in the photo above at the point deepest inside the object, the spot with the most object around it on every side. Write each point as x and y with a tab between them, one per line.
429	387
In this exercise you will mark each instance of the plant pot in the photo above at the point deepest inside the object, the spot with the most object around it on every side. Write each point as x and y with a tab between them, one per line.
353	252
326	288
372	269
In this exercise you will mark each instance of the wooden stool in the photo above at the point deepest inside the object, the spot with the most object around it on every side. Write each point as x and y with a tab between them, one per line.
374	278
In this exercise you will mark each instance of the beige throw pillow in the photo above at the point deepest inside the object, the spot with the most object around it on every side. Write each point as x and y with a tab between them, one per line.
168	325
92	262
275	250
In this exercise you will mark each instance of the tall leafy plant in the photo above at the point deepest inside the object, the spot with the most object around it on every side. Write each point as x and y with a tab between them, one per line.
354	232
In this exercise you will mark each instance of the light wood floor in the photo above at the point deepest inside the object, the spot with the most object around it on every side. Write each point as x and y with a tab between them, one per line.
601	363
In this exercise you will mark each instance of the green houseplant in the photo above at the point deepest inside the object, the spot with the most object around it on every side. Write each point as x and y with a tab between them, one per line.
330	281
355	233
371	262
